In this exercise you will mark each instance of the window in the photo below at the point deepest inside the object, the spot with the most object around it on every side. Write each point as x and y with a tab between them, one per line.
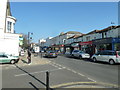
103	53
111	53
9	24
88	38
76	51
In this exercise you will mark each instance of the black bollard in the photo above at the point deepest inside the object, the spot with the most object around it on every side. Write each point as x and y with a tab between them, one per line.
47	80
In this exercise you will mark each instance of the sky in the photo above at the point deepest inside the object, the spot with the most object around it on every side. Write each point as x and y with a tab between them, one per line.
49	19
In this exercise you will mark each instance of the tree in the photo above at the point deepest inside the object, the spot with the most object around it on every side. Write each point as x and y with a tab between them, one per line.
25	41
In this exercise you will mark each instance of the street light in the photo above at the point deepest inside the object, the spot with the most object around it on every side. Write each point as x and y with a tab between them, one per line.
29	33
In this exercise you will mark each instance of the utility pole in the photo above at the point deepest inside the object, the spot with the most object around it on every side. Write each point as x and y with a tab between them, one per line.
29	39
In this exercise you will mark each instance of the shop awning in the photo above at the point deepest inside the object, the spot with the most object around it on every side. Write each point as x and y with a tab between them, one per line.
86	43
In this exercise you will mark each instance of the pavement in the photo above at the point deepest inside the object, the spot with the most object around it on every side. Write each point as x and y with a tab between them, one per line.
35	60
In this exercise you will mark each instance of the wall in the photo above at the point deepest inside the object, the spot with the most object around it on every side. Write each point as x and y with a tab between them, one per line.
3	6
10	44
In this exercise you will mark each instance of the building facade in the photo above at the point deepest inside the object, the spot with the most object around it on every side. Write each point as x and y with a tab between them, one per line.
9	41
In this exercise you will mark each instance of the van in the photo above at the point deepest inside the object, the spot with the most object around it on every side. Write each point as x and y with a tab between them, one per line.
109	56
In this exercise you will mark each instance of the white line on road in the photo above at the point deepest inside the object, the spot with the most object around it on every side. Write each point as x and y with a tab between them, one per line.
37	72
91	79
56	65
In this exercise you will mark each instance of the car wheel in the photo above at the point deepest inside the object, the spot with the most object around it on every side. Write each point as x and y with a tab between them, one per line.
12	61
111	62
80	57
94	59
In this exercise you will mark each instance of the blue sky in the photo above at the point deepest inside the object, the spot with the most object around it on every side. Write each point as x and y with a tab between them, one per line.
47	19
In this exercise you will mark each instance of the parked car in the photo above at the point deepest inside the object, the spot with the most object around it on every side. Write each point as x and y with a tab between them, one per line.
67	54
50	54
109	56
4	58
80	54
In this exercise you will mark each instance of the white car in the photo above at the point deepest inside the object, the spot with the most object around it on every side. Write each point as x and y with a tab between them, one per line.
80	54
4	58
109	56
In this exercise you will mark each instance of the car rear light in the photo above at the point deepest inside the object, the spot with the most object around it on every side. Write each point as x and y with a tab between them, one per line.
117	54
50	53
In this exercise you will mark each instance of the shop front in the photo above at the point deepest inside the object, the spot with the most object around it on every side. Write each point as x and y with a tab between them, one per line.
107	44
116	44
75	46
68	48
88	47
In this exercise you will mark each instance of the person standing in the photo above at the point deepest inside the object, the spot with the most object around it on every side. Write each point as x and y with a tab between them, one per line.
29	56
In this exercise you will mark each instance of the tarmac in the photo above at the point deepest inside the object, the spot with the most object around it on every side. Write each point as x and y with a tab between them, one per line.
35	60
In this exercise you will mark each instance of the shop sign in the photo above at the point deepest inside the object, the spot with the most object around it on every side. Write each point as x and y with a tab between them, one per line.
86	43
103	41
75	44
116	40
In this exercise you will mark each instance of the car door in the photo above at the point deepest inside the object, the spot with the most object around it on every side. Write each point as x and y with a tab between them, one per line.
4	59
104	56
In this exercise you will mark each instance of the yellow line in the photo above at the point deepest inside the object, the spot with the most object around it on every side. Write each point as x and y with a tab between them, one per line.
73	83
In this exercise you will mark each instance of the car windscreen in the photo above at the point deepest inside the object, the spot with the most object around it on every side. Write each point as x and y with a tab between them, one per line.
51	52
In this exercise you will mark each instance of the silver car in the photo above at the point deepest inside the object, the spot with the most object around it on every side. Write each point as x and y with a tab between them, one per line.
80	54
109	56
5	58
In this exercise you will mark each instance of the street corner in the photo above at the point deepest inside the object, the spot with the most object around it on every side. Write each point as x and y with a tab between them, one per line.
34	61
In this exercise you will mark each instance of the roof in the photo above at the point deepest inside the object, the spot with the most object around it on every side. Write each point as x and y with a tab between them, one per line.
8	9
75	36
92	32
70	32
108	28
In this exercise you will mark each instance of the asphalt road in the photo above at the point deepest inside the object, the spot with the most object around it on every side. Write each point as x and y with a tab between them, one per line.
64	71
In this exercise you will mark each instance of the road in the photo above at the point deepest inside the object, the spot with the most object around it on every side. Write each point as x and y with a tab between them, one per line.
64	72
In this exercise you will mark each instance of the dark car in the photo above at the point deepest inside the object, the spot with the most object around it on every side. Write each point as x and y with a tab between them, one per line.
51	54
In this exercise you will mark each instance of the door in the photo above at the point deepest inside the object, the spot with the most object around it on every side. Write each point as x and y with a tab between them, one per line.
103	56
4	59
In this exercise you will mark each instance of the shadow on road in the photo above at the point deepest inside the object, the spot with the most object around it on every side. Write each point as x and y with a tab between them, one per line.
24	61
33	77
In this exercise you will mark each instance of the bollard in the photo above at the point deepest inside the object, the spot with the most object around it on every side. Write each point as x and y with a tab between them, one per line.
47	80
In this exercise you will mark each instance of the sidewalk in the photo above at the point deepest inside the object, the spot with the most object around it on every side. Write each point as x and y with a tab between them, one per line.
35	60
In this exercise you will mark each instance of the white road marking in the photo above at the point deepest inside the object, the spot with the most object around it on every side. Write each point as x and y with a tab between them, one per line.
91	79
37	72
54	64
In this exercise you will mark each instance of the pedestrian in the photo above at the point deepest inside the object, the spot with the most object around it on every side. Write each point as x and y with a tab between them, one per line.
29	56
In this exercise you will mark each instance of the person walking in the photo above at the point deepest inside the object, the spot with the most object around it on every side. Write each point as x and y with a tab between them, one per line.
29	56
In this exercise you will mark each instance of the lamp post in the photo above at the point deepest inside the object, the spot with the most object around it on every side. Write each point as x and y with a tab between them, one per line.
29	33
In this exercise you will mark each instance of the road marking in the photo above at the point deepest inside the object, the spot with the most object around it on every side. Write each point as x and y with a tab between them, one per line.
56	65
37	72
91	79
82	83
71	83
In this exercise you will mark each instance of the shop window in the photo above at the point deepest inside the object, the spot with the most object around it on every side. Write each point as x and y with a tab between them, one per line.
117	46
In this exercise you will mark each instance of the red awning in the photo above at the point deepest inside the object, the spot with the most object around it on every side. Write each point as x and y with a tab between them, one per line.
86	43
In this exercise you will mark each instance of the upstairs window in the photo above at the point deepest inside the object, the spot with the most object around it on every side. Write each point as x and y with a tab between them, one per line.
9	25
